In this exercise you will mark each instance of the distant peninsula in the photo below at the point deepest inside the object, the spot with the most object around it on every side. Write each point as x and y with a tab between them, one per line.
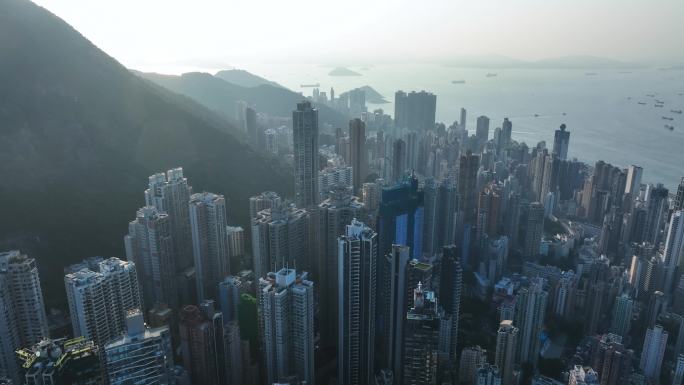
343	71
372	96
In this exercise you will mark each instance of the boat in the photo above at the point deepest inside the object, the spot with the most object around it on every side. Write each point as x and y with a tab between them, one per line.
309	85
659	101
642	103
564	114
669	127
458	82
667	118
650	95
536	115
676	111
629	98
491	74
658	105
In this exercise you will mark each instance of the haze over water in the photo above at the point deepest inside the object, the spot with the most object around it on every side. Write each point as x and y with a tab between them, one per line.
604	123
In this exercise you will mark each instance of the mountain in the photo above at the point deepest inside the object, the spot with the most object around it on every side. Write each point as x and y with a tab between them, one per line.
343	71
80	134
372	96
565	62
220	96
243	78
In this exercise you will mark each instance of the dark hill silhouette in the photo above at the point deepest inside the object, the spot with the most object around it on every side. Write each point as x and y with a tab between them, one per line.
79	134
220	96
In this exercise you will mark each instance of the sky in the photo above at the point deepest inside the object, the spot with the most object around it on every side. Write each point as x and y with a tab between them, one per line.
157	34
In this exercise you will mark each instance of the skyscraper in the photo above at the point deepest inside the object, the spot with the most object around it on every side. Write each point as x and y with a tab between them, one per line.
399	159
679	197
209	242
286	310
170	194
633	183
506	348
471	358
392	309
280	237
530	307
358	153
534	229
202	348
467	186
334	215
23	321
506	131
653	352
561	140
142	355
462	121
263	201
357	279
656	215
421	340
451	282
482	130
149	245
100	294
415	110
20	284
400	218
305	140
622	315
674	249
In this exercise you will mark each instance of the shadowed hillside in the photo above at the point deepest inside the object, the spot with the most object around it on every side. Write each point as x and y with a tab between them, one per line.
79	134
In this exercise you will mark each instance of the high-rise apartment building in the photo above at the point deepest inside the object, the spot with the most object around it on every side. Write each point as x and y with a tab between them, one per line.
421	340
149	244
209	242
23	321
263	201
305	140
467	186
471	358
674	249
534	220
506	350
281	237
20	285
622	315
100	294
415	110
392	309
653	351
357	303
141	355
170	193
202	343
530	307
358	153
286	313
451	283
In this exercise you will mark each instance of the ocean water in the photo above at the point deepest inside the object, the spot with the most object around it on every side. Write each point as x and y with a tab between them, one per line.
601	110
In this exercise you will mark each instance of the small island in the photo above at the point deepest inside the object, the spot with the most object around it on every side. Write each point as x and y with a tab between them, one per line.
342	71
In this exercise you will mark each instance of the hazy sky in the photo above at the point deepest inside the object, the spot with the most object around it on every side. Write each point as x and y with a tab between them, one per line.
147	34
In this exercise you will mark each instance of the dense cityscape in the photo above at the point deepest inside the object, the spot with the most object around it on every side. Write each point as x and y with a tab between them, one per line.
408	193
411	253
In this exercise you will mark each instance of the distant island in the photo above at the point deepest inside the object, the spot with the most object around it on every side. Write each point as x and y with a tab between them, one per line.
343	71
566	62
372	96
